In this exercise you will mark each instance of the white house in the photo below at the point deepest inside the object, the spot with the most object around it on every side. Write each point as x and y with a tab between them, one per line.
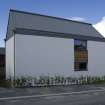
45	45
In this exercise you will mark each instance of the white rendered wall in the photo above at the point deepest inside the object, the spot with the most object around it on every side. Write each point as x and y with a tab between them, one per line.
40	55
96	58
10	58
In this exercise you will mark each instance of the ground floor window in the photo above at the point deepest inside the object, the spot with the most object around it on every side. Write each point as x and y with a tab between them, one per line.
80	66
80	55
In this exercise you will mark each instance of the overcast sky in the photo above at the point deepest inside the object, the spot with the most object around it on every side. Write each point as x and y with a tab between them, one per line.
92	11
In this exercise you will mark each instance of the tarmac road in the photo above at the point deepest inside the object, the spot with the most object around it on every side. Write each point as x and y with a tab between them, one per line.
85	97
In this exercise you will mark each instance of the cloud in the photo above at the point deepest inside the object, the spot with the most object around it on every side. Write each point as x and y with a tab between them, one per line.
81	19
100	26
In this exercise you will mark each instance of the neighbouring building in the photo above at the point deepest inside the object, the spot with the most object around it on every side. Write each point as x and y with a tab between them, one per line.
2	63
44	45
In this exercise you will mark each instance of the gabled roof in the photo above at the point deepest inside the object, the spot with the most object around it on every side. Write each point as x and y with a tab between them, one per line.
2	51
36	24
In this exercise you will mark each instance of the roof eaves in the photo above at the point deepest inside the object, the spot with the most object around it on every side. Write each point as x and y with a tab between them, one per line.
55	34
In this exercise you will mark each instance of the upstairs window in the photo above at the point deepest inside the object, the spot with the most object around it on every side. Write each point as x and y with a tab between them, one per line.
80	44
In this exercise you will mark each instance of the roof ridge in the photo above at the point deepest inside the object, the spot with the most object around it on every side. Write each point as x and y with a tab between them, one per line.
54	17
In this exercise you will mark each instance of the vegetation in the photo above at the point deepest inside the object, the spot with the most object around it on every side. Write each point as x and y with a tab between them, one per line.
52	81
5	83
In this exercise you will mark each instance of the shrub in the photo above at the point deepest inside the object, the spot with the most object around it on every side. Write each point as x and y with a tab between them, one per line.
50	81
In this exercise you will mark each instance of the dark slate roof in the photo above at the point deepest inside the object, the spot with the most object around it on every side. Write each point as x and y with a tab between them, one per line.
37	24
2	51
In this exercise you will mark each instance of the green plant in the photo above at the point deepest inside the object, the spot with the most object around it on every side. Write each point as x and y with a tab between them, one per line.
52	80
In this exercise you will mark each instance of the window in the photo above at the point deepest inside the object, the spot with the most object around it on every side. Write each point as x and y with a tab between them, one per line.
80	66
80	44
80	55
83	66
